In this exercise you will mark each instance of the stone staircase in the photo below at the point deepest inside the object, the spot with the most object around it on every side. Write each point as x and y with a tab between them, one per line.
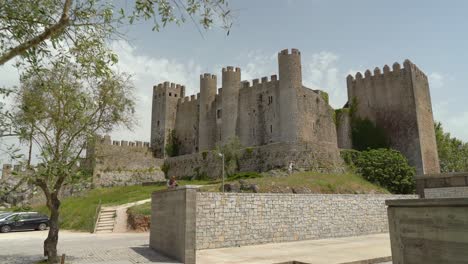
106	220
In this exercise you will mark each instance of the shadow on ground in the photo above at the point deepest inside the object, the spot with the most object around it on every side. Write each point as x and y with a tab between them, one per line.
151	255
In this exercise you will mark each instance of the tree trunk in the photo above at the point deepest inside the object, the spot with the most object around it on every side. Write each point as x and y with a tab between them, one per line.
50	244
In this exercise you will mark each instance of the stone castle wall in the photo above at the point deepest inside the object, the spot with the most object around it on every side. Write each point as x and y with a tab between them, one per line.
317	157
398	101
122	162
275	110
238	219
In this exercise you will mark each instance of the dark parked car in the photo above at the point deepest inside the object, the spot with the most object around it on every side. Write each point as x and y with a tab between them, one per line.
22	221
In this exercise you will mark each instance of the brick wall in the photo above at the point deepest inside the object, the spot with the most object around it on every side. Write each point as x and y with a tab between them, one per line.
237	219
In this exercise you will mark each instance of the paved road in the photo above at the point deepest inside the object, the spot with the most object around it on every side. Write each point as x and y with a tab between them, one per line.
323	251
126	248
132	248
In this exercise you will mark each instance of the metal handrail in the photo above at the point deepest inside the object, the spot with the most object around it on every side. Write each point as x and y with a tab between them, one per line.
96	218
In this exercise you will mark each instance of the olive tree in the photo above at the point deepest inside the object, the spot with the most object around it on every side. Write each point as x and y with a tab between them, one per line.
59	108
26	26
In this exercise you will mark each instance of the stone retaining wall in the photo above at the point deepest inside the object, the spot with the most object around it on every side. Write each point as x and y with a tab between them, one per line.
319	157
237	219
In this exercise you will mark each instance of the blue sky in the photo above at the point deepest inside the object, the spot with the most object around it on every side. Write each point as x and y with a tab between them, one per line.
335	38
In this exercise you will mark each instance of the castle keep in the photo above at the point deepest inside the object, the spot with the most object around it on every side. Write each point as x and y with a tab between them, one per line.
397	100
268	110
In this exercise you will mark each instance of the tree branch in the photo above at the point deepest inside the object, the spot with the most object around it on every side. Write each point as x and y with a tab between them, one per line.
48	33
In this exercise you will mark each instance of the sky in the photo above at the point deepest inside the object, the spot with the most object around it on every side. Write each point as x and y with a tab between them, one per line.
335	37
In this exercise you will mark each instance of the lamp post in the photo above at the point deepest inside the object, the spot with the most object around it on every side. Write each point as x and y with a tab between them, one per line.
222	156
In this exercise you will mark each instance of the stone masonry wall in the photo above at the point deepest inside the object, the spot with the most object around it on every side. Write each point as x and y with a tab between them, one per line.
122	163
398	101
237	219
317	157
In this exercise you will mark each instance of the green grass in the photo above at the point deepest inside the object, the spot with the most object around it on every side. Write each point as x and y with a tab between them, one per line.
316	182
142	209
77	213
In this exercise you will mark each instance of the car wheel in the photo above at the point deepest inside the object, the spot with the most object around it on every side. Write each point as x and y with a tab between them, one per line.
5	229
42	227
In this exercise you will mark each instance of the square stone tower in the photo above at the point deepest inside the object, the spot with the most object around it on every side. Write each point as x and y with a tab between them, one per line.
399	102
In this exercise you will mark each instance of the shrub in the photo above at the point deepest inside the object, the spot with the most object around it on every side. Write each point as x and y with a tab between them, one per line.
387	168
350	156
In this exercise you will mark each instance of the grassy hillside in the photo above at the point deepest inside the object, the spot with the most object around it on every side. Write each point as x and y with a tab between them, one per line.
313	181
77	213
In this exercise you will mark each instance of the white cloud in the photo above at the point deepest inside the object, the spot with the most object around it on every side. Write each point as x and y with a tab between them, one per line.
146	72
436	80
320	71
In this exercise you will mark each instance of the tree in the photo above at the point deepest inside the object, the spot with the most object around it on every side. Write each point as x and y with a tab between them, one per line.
232	153
59	108
25	26
453	153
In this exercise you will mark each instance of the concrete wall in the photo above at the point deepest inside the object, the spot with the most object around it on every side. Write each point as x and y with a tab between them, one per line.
316	156
398	101
237	219
173	229
443	185
430	231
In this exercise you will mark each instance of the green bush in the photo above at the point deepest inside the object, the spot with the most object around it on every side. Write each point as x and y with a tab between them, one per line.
350	156
387	168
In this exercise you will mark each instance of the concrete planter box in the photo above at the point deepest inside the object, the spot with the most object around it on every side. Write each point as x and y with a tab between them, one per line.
429	230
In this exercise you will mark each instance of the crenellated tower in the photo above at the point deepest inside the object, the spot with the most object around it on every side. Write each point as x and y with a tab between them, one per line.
207	121
398	101
290	80
163	115
231	84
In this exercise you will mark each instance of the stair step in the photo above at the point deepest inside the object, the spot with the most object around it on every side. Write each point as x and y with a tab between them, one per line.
107	217
106	220
107	213
106	225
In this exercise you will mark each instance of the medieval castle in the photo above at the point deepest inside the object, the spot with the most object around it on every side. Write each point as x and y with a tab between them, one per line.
280	109
276	119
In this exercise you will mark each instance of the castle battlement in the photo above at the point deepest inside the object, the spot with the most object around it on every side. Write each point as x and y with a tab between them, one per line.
106	140
192	99
293	52
207	76
396	70
231	69
167	85
262	81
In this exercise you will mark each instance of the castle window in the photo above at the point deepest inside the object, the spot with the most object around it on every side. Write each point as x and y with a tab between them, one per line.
175	95
271	128
158	122
270	100
218	113
170	94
